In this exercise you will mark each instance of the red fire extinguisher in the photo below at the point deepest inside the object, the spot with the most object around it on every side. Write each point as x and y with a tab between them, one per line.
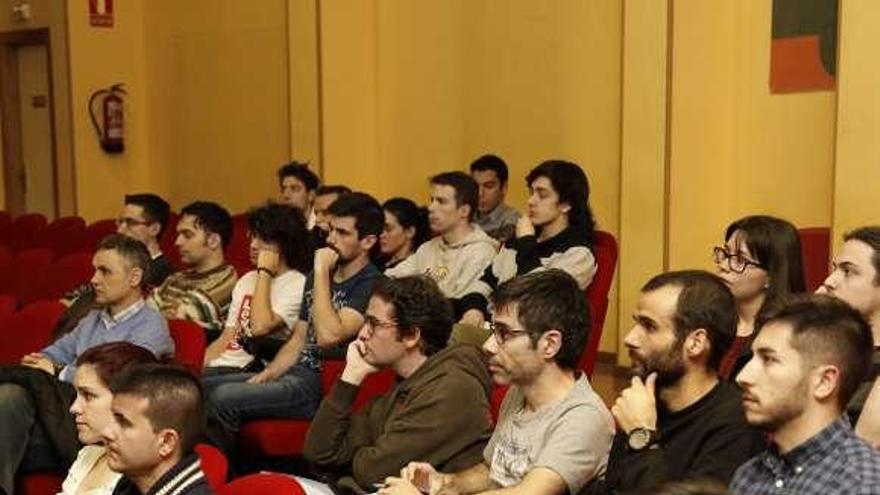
111	136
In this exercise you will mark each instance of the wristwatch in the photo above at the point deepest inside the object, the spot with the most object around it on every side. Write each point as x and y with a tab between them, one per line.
641	438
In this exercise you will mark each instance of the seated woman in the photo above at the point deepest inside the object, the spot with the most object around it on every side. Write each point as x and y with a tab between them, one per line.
555	232
760	262
90	474
406	228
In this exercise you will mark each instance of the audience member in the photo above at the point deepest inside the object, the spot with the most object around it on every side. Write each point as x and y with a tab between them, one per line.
298	185
809	357
406	228
158	417
35	430
760	262
201	293
90	473
557	232
493	216
336	294
457	256
438	412
855	279
678	421
324	197
553	432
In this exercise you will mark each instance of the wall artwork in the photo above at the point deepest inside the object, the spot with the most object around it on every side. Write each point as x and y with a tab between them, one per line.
803	53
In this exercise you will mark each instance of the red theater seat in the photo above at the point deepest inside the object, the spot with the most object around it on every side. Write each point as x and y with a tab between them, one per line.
815	247
28	330
214	465
64	236
39	484
97	231
189	344
5	227
28	269
263	484
26	231
238	250
605	251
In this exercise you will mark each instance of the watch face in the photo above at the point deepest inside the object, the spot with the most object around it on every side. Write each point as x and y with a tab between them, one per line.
639	438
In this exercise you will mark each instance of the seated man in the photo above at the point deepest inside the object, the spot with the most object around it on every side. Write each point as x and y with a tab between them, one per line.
809	357
298	184
855	279
457	256
438	413
30	431
336	294
144	218
159	416
677	420
202	292
324	197
494	216
553	432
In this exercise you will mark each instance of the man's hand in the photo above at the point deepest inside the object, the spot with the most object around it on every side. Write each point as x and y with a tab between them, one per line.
356	367
265	376
637	405
473	317
269	260
326	259
39	361
424	478
524	226
398	486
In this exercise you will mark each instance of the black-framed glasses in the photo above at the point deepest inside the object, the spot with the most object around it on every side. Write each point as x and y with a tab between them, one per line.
503	333
371	323
736	262
130	222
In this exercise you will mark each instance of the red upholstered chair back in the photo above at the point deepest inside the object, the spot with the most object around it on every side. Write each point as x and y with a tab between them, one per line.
26	230
264	484
189	344
605	251
815	250
64	275
64	236
28	330
8	304
167	242
6	258
5	227
28	274
214	465
238	250
97	231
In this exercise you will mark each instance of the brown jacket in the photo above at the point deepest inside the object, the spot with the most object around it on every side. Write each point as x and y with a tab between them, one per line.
440	415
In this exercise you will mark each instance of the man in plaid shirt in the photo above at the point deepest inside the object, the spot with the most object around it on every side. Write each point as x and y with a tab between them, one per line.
809	357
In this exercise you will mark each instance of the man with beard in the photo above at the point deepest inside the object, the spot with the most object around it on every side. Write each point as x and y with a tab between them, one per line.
677	420
809	358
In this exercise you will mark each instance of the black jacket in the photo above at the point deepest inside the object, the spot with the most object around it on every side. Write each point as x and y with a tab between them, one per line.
185	478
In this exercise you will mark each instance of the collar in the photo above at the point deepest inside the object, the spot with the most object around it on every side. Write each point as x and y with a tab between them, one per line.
186	473
125	314
817	447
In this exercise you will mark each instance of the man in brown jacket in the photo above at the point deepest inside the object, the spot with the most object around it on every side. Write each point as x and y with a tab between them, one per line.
438	412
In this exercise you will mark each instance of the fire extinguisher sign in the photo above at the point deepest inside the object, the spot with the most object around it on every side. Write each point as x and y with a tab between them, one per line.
101	13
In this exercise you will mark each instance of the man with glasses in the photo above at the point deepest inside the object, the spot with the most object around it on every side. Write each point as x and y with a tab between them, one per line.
553	432
439	411
678	420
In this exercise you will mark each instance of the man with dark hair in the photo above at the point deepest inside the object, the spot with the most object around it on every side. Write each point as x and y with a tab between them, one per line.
438	413
553	432
456	257
159	416
493	216
809	357
677	420
335	296
200	293
855	279
298	184
144	218
30	431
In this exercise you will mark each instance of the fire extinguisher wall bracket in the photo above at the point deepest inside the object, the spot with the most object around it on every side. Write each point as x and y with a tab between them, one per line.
111	135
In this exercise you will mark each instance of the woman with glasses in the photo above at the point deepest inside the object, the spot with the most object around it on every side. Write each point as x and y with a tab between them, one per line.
760	262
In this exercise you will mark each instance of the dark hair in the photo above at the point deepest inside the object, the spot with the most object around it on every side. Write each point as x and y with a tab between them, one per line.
571	184
155	208
111	358
418	303
410	215
337	189
174	399
549	300
467	191
131	250
368	215
826	330
301	172
212	218
282	225
870	235
493	163
704	302
776	245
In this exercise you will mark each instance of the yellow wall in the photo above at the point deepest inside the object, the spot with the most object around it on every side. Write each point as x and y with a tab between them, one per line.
857	173
735	148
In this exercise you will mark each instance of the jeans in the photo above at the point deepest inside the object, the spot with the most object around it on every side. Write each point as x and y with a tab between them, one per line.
231	400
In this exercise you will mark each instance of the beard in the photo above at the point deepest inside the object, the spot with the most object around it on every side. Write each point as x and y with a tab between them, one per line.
772	416
668	364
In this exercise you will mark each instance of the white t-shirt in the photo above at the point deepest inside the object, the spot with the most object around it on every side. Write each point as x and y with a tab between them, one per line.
285	297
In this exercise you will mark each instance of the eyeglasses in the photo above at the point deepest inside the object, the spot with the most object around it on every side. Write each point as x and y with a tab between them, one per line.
371	323
735	262
130	222
503	333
